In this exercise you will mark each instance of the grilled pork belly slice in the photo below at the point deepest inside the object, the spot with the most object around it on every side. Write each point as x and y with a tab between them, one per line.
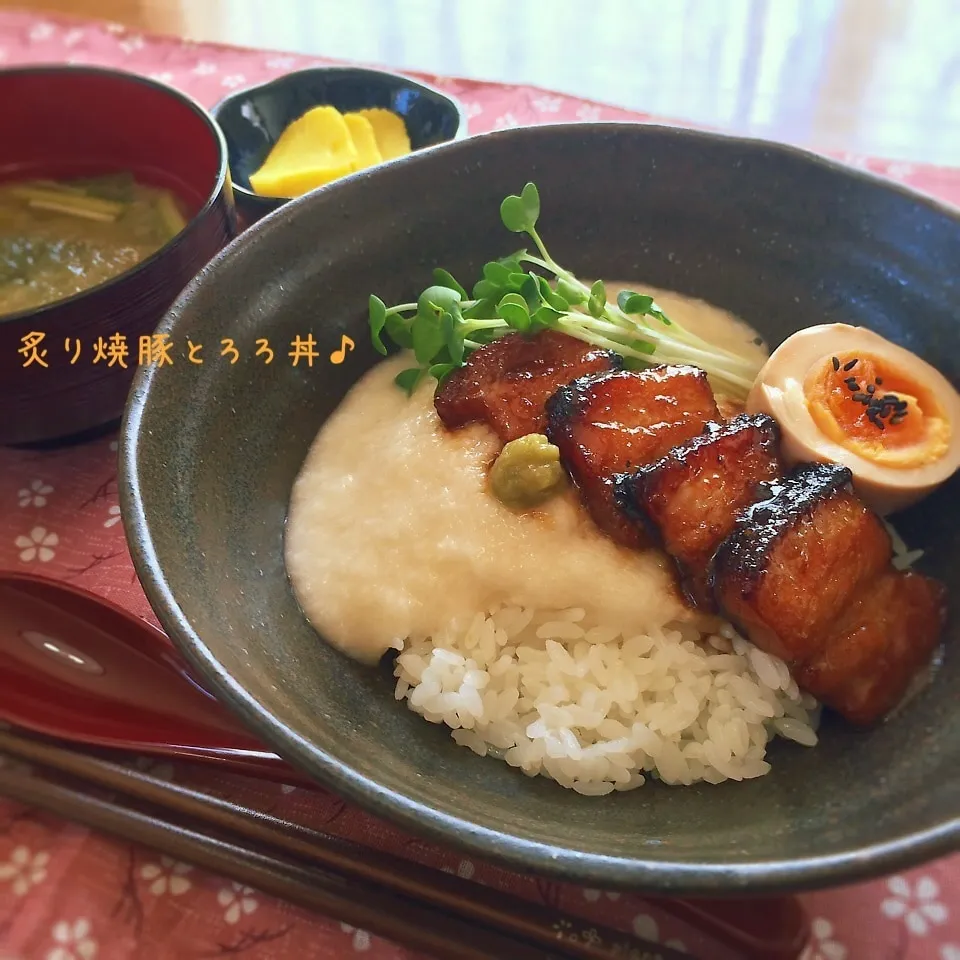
794	562
506	383
888	635
690	499
611	423
806	575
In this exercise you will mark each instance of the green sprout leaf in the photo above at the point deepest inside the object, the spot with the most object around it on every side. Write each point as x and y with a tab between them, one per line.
485	309
487	290
520	214
453	338
551	297
378	320
442	278
545	317
530	291
428	337
398	329
513	308
410	378
442	370
439	298
496	273
569	292
597	302
630	302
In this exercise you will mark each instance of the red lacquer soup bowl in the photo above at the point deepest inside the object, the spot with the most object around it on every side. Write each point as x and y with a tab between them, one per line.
61	122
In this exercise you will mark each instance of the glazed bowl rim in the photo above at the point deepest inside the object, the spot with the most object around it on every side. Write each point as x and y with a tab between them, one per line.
713	878
217	109
220	181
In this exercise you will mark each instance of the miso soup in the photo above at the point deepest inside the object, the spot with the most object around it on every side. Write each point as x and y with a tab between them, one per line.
59	238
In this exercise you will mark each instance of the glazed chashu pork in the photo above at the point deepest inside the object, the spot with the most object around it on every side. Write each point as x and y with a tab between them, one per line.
808	576
688	500
507	383
607	424
652	457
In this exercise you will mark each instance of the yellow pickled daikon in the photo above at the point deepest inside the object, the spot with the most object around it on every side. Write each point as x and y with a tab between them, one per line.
324	145
311	152
361	130
390	131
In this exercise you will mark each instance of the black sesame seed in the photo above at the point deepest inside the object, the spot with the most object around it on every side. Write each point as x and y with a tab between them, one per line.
871	389
836	363
879	381
879	424
890	398
851	364
851	383
861	397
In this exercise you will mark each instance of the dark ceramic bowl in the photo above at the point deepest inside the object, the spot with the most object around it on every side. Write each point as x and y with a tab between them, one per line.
65	121
208	457
253	119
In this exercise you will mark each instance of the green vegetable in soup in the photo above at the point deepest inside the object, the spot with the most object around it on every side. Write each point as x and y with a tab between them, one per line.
515	294
527	472
59	238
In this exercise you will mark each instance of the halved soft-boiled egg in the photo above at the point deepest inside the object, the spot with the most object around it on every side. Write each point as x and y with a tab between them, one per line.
846	395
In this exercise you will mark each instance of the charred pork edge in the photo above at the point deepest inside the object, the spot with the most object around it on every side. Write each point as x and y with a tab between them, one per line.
626	486
745	552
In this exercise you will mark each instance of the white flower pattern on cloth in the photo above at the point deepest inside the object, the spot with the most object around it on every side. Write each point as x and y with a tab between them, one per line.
164	76
237	900
72	37
588	113
505	122
203	69
35	495
471	110
645	927
41	31
900	171
950	951
232	80
825	947
113	516
38	545
73	941
855	160
546	104
918	906
24	869
280	63
168	874
131	44
361	939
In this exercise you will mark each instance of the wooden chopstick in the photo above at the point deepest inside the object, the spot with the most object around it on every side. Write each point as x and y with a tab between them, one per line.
379	874
403	921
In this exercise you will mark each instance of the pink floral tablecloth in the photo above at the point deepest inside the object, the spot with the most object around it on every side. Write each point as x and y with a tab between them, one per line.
69	894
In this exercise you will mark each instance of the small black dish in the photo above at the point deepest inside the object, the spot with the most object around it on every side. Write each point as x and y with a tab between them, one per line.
253	119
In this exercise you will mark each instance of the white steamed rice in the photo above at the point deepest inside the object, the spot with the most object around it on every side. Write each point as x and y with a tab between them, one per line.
563	695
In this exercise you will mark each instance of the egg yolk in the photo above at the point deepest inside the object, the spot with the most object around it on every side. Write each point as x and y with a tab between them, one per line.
878	412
